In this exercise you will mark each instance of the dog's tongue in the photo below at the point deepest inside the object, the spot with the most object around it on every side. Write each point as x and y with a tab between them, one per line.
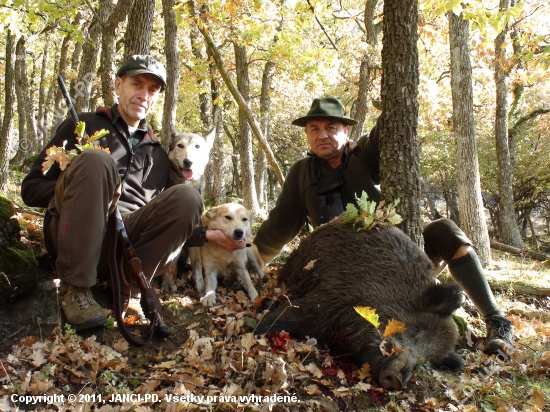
187	173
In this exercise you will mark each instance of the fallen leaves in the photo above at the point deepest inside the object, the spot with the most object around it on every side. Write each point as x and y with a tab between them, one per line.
219	358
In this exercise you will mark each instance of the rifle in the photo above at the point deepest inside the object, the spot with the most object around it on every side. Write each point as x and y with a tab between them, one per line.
149	299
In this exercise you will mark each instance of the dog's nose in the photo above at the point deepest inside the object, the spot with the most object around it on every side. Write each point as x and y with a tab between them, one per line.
187	163
238	234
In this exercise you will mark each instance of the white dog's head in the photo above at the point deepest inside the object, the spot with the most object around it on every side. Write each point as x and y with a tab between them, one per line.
190	153
233	219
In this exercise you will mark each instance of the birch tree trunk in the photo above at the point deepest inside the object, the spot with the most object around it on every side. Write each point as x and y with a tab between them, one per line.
470	202
508	220
9	97
400	163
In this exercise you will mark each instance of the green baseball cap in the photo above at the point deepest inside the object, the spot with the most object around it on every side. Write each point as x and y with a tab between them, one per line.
325	108
143	64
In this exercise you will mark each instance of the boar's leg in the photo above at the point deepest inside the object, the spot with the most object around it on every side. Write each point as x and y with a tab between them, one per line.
283	317
442	299
452	363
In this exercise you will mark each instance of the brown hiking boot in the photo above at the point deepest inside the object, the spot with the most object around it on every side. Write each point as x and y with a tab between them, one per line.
80	308
500	333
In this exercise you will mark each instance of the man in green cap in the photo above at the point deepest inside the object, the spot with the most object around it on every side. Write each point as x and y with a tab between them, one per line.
131	173
335	171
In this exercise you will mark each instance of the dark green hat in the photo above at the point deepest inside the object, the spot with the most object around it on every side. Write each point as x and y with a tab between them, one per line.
327	107
142	64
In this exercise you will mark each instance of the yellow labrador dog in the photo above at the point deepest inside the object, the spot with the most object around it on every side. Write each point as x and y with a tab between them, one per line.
216	262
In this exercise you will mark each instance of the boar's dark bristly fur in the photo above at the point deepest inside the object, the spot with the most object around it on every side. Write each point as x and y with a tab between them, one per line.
382	269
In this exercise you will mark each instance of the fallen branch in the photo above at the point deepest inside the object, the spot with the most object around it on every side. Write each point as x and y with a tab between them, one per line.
517	251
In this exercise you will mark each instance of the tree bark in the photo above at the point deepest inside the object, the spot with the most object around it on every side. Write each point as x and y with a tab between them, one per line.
137	39
508	219
9	97
42	99
217	153
250	198
361	103
399	163
90	52
21	88
59	111
172	70
113	17
265	105
470	202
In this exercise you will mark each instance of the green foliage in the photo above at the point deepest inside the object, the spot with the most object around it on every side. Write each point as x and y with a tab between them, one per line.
369	215
110	324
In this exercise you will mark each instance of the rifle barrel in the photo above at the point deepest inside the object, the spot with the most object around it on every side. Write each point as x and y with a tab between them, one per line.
68	100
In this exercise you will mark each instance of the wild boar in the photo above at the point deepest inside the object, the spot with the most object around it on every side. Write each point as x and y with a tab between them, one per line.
337	268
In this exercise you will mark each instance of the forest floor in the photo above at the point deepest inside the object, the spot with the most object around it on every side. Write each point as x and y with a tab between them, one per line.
213	362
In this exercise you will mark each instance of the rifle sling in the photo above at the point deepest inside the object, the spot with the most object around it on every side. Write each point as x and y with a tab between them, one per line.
149	298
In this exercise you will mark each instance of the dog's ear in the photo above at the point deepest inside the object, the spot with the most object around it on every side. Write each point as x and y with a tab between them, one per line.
209	215
210	136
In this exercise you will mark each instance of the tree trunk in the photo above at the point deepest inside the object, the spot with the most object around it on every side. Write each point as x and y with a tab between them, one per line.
107	70
42	99
59	110
265	105
470	202
137	39
508	218
75	61
361	104
21	88
87	70
172	70
9	97
217	153
250	199
400	163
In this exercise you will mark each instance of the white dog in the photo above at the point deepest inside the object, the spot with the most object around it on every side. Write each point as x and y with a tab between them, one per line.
189	154
216	262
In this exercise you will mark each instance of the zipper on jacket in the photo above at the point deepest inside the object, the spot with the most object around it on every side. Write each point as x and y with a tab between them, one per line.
147	168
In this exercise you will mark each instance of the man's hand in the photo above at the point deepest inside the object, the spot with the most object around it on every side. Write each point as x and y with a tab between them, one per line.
217	236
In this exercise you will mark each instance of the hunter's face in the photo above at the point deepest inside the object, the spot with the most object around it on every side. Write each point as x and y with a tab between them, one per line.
327	138
136	96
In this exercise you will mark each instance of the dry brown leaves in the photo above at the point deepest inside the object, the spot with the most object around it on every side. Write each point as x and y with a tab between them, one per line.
226	367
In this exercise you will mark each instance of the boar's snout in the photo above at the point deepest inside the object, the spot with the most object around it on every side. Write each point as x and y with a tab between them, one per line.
390	380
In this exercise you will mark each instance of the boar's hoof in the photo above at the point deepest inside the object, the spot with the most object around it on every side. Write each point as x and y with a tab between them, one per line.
390	381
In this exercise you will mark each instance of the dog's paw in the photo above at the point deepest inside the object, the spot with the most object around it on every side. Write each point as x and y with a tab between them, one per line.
199	283
209	299
253	294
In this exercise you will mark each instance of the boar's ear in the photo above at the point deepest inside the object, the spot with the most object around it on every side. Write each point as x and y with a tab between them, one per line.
442	299
452	363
